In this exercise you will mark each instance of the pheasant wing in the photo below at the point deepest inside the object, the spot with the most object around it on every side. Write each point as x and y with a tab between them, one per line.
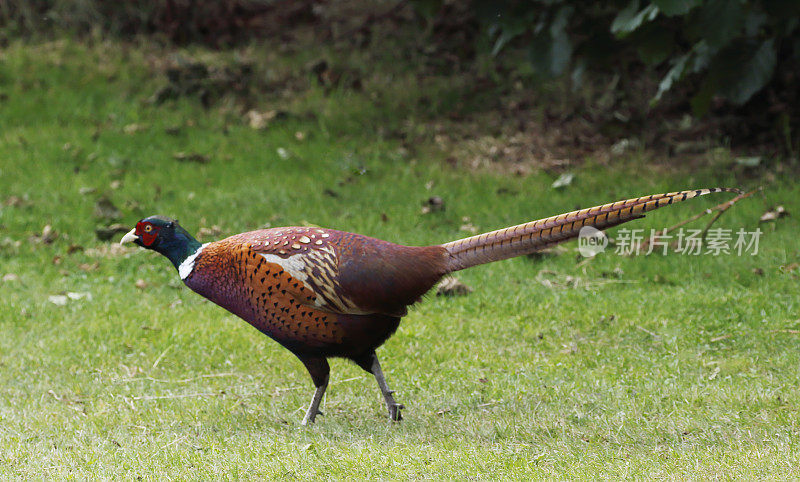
346	273
309	257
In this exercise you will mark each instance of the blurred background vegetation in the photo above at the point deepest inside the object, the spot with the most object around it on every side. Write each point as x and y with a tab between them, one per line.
679	76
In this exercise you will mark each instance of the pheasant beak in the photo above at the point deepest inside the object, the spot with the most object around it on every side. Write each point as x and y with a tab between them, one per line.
129	237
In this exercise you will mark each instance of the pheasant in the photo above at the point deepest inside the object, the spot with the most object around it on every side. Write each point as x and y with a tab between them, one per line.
323	293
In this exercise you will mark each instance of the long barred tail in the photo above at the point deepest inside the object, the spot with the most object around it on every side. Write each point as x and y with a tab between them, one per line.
535	235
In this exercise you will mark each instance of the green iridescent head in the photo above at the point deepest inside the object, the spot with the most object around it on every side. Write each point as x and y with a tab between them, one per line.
163	235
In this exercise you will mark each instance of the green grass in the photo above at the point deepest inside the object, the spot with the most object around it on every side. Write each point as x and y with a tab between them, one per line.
670	366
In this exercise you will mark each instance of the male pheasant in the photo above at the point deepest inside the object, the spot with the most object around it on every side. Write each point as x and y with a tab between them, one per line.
323	293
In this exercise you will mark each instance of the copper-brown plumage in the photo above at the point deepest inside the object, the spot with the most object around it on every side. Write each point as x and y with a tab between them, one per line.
323	293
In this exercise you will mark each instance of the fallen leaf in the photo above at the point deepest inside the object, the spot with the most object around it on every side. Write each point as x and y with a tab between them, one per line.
58	300
16	201
788	268
563	180
88	267
10	277
47	236
260	120
758	271
624	145
191	157
432	205
773	214
451	286
79	296
104	209
87	190
141	284
61	300
133	128
106	233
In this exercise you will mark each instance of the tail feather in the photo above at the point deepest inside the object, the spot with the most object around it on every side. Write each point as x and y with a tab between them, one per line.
535	235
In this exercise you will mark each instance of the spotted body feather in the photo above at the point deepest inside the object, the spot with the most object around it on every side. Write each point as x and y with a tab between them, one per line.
289	284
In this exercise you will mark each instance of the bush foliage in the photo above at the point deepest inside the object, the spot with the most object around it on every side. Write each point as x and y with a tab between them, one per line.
730	48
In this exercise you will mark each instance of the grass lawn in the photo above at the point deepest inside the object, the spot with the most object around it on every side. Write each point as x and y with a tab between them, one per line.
660	366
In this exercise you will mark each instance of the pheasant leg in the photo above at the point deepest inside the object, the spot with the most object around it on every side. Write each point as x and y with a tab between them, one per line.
391	405
319	370
313	409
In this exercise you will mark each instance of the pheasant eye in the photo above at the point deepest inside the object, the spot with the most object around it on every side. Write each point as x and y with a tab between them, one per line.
148	228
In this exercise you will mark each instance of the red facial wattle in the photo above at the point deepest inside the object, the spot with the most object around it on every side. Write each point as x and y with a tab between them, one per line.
147	232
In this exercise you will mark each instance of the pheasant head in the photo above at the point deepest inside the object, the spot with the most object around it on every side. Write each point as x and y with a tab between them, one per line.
163	235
